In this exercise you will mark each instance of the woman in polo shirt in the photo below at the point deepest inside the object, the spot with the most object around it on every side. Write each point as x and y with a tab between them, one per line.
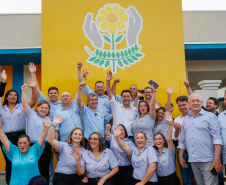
34	128
98	161
143	158
65	172
25	158
165	151
124	176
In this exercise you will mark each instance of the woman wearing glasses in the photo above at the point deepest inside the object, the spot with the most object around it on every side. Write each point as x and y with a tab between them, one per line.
98	162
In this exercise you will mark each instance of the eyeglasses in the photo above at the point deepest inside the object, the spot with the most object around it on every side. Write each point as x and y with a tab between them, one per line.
95	139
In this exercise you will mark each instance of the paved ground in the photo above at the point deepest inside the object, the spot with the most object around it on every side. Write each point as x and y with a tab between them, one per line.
2	180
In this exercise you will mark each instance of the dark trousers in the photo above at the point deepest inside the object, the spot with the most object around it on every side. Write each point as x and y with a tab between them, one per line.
147	183
169	180
64	179
94	181
124	175
13	137
38	180
44	161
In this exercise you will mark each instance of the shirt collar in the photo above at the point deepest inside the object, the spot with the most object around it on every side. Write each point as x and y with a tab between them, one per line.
93	110
164	151
201	112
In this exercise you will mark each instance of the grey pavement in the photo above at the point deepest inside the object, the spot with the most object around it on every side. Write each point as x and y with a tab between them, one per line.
2	179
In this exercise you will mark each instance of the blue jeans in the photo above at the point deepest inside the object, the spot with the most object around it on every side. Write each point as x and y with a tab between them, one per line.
185	172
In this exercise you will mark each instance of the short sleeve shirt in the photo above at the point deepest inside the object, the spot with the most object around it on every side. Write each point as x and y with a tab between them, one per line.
162	127
102	166
24	167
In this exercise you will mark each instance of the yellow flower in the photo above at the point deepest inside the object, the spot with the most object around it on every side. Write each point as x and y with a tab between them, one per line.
112	18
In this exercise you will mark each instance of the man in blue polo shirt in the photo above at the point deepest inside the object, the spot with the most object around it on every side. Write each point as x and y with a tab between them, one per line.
94	119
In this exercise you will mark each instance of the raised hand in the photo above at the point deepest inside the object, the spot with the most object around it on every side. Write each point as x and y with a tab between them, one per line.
117	131
170	90
82	86
116	80
47	122
85	73
76	155
109	76
24	87
168	117
157	105
108	127
3	76
32	67
31	82
79	65
135	26
138	95
91	31
187	84
57	120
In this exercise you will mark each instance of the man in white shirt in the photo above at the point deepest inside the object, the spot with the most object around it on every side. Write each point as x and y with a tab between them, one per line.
122	113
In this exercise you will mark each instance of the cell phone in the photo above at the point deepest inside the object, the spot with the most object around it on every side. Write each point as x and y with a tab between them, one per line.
213	171
154	84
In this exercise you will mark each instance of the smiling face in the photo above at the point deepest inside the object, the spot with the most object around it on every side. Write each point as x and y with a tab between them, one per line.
133	90
147	93
93	102
23	145
94	141
76	136
53	95
160	114
183	107
43	110
195	102
99	88
12	97
126	98
159	141
210	106
141	140
122	135
143	108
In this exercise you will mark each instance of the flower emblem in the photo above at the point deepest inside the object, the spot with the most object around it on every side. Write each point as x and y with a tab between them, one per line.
112	18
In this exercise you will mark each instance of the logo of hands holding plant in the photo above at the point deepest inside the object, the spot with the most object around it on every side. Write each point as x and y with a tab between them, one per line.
113	24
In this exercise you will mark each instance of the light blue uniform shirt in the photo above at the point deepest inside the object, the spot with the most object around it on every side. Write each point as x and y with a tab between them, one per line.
94	121
14	121
102	166
162	127
120	155
53	106
198	136
141	162
222	122
71	120
34	125
166	162
66	163
144	124
103	102
24	167
119	99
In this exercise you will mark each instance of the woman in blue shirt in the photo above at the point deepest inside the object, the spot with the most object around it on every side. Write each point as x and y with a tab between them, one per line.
65	172
124	176
98	161
34	128
14	120
143	158
165	151
25	158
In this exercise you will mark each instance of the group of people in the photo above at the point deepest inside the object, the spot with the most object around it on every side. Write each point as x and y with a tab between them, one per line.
113	140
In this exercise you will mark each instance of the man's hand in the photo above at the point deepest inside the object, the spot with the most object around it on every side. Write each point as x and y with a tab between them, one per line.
85	73
79	65
217	165
24	87
116	80
157	105
177	126
32	67
109	76
183	162
186	83
82	86
170	90
138	94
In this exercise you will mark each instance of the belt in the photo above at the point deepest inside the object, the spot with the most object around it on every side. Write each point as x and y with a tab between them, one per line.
166	178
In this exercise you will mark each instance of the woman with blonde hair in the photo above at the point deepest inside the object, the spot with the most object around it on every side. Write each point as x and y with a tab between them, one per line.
65	173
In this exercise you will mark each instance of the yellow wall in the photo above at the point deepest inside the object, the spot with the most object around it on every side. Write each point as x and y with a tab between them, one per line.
162	41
